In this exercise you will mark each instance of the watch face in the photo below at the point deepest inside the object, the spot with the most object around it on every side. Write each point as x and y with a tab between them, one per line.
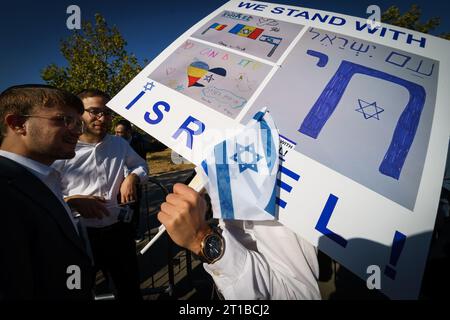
213	247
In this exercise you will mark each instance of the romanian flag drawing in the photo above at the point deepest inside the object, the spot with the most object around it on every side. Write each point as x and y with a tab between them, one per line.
246	31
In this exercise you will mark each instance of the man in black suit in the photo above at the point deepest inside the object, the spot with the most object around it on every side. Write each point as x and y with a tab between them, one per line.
43	254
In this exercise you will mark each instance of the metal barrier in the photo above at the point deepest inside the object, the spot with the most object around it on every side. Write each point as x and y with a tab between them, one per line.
150	196
149	207
150	212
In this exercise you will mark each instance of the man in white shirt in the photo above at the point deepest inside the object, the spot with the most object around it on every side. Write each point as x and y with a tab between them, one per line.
141	146
42	253
247	260
92	182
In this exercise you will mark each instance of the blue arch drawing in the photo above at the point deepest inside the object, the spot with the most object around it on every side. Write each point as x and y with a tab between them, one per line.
405	129
323	58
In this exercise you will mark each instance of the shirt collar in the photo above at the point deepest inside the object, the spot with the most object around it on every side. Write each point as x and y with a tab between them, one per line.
105	139
37	168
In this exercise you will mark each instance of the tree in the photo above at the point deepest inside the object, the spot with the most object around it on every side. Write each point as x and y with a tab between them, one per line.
96	58
445	36
411	20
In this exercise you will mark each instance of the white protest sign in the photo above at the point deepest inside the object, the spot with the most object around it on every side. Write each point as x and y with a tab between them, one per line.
363	114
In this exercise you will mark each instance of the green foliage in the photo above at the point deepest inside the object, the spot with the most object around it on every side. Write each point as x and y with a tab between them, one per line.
445	36
96	58
411	20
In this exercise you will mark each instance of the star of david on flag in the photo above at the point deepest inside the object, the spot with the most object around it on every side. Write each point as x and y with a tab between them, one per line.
242	172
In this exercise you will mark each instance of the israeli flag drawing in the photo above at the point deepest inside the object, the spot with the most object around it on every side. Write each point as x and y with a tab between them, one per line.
242	172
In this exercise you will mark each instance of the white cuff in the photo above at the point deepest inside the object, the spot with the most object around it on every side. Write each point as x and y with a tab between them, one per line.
230	267
141	173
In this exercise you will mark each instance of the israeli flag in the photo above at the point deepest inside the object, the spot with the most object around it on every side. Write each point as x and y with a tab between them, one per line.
242	172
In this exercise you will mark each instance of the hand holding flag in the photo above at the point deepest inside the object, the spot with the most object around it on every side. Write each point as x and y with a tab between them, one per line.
242	172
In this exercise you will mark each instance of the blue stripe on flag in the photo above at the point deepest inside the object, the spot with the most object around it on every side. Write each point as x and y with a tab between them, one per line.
236	28
205	167
266	134
284	185
223	181
270	145
281	203
214	25
271	206
289	173
258	116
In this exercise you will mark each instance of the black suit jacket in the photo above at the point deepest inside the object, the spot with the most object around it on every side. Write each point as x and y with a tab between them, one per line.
143	144
38	242
140	146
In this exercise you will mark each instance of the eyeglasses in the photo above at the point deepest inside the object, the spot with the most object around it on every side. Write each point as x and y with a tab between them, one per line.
98	113
69	122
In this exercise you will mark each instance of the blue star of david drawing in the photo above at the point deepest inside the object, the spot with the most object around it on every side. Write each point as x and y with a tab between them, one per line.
149	86
369	110
209	78
243	165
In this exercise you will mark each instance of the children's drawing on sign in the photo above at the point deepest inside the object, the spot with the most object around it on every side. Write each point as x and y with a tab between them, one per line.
329	39
405	61
224	98
267	22
215	26
369	110
246	31
242	32
333	81
172	83
244	84
405	129
236	16
274	41
215	77
230	46
209	78
198	69
170	71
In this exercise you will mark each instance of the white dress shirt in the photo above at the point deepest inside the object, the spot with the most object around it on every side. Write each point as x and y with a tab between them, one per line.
98	170
265	260
49	176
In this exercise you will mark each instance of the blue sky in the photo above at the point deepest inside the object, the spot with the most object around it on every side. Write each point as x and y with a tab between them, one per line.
31	31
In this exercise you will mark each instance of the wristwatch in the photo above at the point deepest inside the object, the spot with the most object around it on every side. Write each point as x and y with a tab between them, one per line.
212	247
